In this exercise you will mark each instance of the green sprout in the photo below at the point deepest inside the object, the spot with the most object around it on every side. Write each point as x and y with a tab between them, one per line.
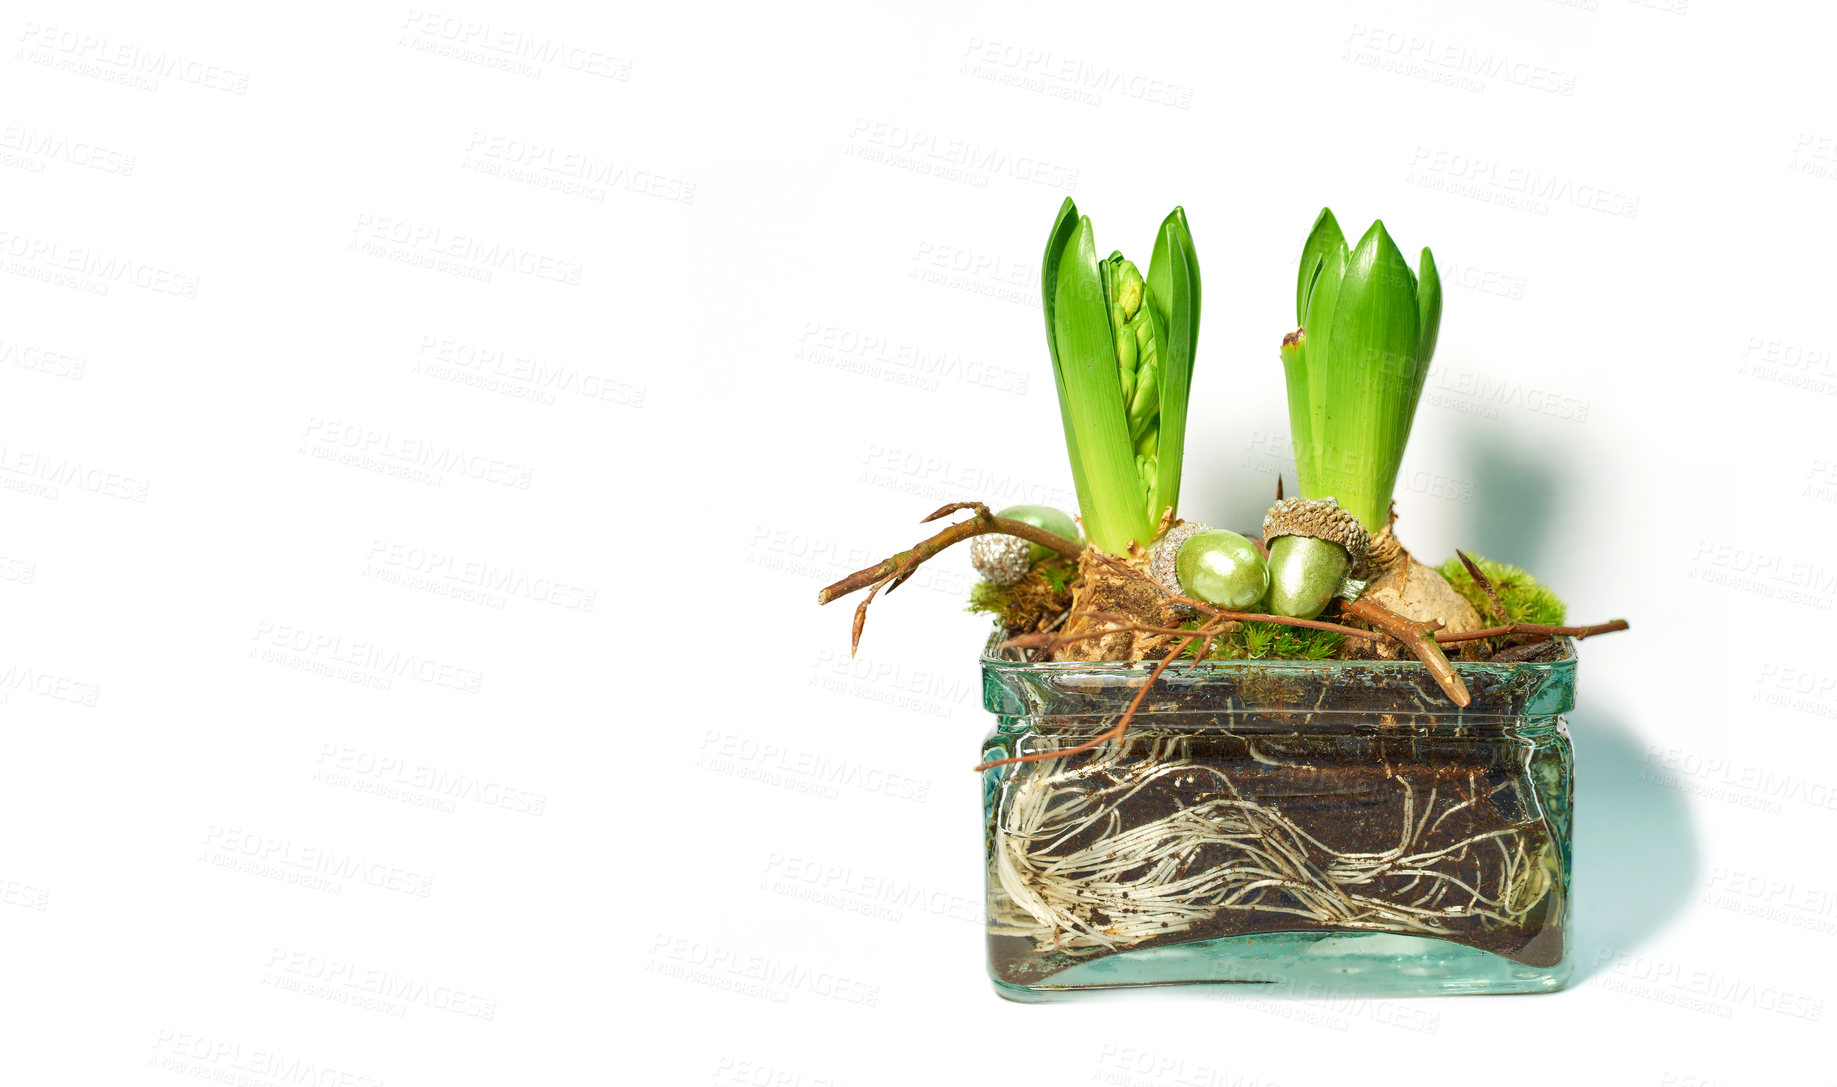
1122	359
1356	366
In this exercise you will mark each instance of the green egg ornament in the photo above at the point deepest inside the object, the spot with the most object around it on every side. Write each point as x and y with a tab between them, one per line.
1054	521
1215	565
1222	568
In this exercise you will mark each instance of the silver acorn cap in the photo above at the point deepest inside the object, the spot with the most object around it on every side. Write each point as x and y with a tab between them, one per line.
1321	518
1163	565
1001	559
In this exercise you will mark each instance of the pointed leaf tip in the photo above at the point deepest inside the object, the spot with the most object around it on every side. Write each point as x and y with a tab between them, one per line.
1324	237
1428	307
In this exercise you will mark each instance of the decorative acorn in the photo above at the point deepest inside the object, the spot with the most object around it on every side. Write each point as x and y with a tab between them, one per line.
1002	559
1215	565
1313	547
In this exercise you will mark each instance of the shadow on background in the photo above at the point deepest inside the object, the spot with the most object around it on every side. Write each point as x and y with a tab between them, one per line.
1636	854
1514	500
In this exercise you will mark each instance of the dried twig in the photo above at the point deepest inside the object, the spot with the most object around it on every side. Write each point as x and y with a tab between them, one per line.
1424	639
983	523
1211	612
1122	624
889	573
1418	636
1578	633
1542	631
1485	583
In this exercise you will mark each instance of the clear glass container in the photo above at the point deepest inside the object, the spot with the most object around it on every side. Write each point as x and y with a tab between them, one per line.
1315	828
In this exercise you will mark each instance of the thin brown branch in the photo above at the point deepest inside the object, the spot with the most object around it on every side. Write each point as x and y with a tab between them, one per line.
899	567
1122	723
1416	635
1234	616
1119	624
1578	633
1485	583
854	637
982	511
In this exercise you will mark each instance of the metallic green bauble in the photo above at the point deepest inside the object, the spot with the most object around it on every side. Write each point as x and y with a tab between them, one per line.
1304	573
1222	569
1055	521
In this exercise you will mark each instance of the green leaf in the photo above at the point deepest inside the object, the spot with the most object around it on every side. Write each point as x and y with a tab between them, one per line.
1301	431
1317	350
1063	228
1372	377
1322	240
1173	301
1428	307
1174	236
1097	429
1428	325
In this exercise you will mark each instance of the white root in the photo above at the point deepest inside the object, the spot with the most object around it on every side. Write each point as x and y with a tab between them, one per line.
1130	884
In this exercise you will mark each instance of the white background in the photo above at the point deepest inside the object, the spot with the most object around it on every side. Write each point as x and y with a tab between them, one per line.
425	432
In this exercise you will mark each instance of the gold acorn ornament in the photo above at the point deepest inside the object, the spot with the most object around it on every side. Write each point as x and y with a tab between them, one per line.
1314	546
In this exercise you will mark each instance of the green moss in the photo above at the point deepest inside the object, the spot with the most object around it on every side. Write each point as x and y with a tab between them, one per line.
988	598
1272	641
1059	574
1525	601
1042	594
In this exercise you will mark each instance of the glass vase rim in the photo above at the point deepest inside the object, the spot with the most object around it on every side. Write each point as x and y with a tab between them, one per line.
994	658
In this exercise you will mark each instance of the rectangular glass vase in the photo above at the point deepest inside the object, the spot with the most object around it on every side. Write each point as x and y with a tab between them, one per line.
1312	828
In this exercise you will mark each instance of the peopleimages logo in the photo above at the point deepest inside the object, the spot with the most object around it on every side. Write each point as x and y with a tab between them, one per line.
96	271
951	158
393	772
436	247
407	453
213	1058
770	978
14	678
39	147
1070	78
512	47
1700	990
316	860
352	979
123	62
443	567
302	647
1507	185
1460	65
54	473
